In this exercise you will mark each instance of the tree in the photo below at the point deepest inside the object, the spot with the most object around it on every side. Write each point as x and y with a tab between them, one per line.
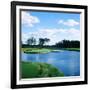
31	41
68	44
41	41
46	40
34	41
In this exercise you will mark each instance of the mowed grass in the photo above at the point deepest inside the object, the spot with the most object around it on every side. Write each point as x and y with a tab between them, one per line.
45	50
36	50
72	49
37	70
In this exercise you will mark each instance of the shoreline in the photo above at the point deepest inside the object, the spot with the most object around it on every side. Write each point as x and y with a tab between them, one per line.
46	50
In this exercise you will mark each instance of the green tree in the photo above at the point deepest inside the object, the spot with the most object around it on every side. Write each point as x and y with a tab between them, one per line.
46	40
31	41
41	41
68	44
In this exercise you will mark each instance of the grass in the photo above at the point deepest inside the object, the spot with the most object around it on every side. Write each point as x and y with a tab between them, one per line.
37	70
72	49
36	50
39	50
46	50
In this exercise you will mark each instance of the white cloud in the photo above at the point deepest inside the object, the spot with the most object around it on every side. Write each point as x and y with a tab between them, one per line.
69	22
55	35
28	19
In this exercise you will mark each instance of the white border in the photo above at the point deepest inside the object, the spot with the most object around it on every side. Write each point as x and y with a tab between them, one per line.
54	79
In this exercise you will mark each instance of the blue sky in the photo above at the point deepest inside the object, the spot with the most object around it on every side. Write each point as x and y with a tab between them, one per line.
53	25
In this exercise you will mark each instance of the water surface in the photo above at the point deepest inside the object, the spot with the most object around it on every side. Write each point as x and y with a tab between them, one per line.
66	61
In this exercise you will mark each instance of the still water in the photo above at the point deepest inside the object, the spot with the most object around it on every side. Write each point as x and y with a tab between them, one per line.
66	61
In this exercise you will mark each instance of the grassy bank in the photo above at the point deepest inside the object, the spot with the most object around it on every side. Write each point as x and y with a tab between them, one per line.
36	50
36	70
46	50
72	49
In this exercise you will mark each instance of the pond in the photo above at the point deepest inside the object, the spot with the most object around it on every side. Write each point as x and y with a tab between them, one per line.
66	61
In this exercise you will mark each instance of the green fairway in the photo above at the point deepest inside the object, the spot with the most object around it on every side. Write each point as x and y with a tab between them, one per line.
36	50
46	50
36	70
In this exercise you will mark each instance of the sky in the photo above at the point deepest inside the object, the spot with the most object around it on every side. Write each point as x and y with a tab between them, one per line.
56	26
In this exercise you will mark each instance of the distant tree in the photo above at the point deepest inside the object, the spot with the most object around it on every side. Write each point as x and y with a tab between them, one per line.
34	41
31	41
42	41
46	40
68	44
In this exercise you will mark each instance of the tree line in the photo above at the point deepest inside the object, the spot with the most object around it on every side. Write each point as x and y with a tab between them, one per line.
41	42
68	44
61	44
